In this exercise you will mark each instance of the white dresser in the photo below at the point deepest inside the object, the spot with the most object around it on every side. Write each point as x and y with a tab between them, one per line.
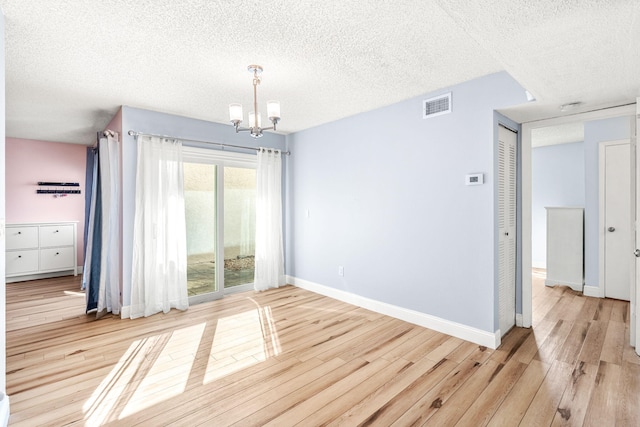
34	250
565	247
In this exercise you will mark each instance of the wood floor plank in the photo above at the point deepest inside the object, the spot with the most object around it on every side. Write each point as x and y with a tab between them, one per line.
603	405
457	405
627	413
328	413
515	405
428	399
331	393
291	357
572	408
367	409
545	403
614	343
485	405
593	342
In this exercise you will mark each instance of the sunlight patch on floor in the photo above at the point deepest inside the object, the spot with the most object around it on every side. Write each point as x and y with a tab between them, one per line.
75	294
240	341
152	370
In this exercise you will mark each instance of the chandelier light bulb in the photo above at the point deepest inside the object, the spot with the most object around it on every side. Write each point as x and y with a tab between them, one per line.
235	113
252	120
273	110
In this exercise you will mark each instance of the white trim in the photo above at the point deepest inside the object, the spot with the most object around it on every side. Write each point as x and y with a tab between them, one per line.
593	291
634	330
227	158
576	286
625	110
125	312
519	320
14	279
4	409
458	330
602	146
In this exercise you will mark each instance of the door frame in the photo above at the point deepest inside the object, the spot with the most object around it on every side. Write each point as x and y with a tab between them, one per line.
602	146
527	127
634	309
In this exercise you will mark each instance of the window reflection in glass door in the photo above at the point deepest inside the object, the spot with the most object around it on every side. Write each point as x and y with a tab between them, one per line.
239	225
200	213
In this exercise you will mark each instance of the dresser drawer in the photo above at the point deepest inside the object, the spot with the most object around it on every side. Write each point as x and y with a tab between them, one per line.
56	235
21	261
21	237
56	258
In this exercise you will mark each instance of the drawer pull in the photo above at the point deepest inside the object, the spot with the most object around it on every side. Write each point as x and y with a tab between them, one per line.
57	231
19	256
57	253
19	232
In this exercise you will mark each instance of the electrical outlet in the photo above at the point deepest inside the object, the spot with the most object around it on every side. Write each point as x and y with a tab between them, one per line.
340	270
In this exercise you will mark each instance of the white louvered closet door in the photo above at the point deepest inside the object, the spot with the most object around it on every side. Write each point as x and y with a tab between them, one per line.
507	228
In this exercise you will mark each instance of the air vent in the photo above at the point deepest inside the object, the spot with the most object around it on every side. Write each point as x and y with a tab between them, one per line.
437	106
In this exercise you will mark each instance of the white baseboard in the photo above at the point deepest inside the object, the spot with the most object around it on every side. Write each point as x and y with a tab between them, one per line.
458	330
573	285
125	312
519	320
4	410
14	279
592	291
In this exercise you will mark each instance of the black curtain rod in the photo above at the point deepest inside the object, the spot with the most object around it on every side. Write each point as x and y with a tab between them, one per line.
136	134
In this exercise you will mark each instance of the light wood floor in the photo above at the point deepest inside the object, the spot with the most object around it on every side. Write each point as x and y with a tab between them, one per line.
290	357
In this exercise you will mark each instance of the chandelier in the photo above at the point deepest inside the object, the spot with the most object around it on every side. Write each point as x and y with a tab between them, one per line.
255	120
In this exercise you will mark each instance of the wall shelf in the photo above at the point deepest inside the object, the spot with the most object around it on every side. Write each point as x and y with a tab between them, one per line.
58	190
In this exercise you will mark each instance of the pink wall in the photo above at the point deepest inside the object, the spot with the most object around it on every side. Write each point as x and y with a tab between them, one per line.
29	161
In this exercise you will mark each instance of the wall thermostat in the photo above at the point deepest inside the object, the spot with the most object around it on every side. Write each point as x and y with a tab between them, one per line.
474	179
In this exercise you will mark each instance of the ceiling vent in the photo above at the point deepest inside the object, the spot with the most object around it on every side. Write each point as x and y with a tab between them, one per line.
437	106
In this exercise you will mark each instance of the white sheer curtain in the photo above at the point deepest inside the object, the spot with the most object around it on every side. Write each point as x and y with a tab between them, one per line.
109	287
269	258
159	278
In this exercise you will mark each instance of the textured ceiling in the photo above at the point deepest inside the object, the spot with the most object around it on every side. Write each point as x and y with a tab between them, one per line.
71	63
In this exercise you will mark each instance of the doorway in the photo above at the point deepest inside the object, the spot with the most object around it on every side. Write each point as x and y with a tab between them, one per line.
527	128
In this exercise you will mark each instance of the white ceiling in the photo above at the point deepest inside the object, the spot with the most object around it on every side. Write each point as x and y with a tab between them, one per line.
71	63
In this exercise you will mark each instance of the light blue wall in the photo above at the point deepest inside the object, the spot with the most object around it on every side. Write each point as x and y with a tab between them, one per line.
595	132
146	121
557	179
386	199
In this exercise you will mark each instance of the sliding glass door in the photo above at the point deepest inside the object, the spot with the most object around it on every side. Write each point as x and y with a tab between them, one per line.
220	218
239	225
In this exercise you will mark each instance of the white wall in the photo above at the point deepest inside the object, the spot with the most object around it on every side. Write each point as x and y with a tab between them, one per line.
557	179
